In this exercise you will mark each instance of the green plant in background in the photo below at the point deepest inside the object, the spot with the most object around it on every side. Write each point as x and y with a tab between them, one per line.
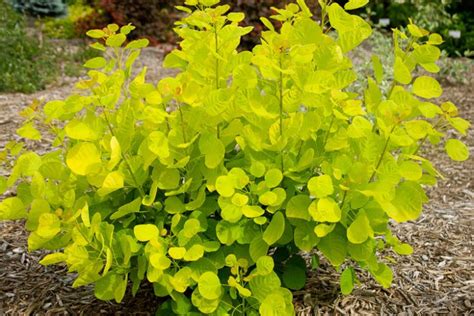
65	27
25	64
439	16
209	184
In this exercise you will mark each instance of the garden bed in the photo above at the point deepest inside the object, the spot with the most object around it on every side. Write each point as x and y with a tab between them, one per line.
437	279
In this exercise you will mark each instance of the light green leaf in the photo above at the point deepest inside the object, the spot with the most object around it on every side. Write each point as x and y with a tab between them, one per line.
225	186
410	170
177	252
96	33
158	144
49	225
257	169
427	87
85	216
334	246
112	182
126	209
401	72
275	229
407	204
252	211
265	265
29	131
323	229
347	281
258	248
209	286
457	150
273	178
236	16
297	207
53	258
194	253
212	149
146	232
360	229
355	4
325	210
378	68
95	63
304	236
12	209
382	274
116	40
403	249
268	198
82	158
321	186
159	261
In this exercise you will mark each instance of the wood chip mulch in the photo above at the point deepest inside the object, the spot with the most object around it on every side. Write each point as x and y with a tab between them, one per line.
437	279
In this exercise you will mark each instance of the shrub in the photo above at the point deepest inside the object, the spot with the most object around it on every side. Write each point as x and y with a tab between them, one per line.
209	184
25	64
65	27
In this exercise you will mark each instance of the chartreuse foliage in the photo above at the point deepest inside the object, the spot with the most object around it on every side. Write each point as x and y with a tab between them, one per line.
190	184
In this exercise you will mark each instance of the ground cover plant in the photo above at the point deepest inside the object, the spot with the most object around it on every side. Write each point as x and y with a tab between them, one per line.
210	184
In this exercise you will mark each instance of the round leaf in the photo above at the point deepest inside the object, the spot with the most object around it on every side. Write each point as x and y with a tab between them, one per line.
457	150
210	286
146	232
82	157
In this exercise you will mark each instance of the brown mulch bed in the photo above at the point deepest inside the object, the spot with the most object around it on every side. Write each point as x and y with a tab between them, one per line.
437	279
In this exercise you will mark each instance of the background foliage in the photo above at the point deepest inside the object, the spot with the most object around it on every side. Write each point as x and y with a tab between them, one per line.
26	64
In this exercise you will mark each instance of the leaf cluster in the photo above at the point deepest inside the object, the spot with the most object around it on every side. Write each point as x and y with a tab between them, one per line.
192	183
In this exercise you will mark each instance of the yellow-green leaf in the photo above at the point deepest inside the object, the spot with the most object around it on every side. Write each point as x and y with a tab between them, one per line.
275	229
321	186
82	158
427	87
146	232
355	4
360	229
53	258
457	150
225	186
95	63
177	252
325	210
112	182
29	131
209	286
401	72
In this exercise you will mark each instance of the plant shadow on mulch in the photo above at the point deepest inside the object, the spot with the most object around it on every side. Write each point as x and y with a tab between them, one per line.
437	279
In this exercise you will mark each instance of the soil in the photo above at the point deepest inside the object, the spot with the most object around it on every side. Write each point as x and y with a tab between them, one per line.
437	279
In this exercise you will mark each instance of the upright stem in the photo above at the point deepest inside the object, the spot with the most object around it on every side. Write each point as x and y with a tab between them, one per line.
379	162
281	96
127	163
329	132
216	41
281	107
425	138
183	130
